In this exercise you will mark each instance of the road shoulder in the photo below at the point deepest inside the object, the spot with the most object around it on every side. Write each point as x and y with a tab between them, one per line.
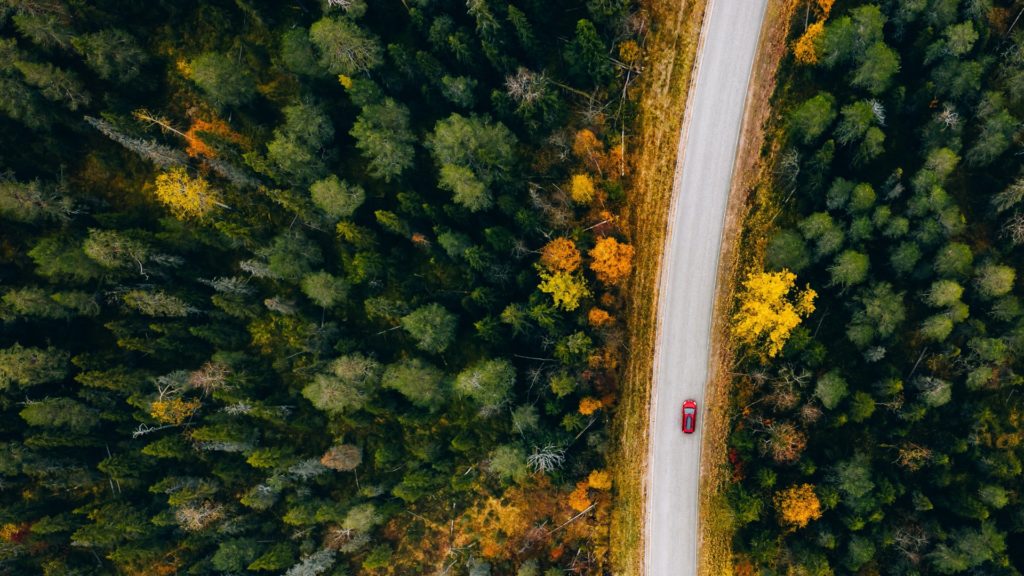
671	50
715	526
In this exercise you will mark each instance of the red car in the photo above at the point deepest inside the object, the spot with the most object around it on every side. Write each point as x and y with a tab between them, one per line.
689	416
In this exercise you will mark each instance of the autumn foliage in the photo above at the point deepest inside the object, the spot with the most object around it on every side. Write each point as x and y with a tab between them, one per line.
805	48
770	308
630	52
174	411
521	519
612	260
184	195
14	532
566	289
581	189
797	505
560	255
197	147
590	149
586	145
579	499
600	480
589	405
599	317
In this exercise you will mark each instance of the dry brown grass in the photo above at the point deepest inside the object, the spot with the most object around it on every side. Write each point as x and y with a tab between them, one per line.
670	51
748	220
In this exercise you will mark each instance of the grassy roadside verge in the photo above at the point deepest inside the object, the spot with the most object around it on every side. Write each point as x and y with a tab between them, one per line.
670	51
749	218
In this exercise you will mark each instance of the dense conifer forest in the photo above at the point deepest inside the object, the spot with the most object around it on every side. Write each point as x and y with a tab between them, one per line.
885	436
312	287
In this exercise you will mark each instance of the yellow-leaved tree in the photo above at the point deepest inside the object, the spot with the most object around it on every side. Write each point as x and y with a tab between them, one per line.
600	480
581	189
174	411
566	289
630	52
185	196
797	505
770	308
805	49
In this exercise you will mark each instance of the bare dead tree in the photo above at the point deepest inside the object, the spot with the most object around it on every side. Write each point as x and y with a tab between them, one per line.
784	441
895	404
281	306
210	377
878	109
546	459
912	456
238	408
197	516
144	429
525	86
800	378
783	394
788	167
874	354
255	268
810	413
1014	228
171	385
910	539
1010	197
948	117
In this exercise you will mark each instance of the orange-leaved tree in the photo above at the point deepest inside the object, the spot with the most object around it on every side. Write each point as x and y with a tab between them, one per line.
797	505
218	128
560	255
579	499
184	195
15	532
599	317
587	146
611	260
770	307
589	405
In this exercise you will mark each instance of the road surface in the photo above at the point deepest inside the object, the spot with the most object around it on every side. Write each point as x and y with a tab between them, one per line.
707	154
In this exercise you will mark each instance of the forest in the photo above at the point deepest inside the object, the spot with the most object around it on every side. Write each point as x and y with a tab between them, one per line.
876	425
319	288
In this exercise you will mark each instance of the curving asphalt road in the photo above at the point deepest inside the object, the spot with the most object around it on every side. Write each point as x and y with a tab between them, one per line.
707	154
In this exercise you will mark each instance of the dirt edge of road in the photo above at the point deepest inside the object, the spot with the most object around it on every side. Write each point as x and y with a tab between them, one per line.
715	543
670	54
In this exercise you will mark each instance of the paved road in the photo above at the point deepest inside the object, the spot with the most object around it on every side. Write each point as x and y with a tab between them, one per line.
707	153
